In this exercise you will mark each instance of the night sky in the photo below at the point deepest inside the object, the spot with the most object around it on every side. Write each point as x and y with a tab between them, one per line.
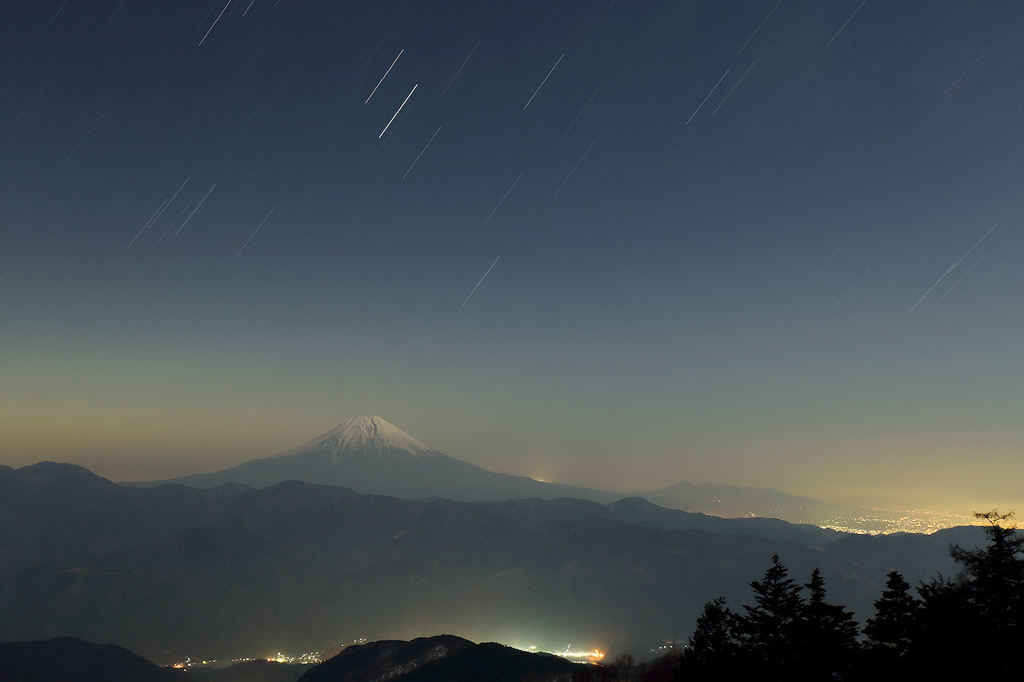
616	244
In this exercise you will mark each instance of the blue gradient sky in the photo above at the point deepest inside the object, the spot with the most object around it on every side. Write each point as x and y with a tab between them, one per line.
733	299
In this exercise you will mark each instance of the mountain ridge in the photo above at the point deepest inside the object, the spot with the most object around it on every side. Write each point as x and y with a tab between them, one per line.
69	659
371	455
284	565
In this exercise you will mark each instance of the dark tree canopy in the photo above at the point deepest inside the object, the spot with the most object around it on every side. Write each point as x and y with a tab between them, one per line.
965	627
713	640
995	575
893	627
769	624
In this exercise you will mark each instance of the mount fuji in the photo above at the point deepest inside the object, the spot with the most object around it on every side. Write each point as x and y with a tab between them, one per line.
372	455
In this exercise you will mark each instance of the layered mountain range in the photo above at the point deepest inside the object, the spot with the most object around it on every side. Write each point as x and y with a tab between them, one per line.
172	570
371	455
441	658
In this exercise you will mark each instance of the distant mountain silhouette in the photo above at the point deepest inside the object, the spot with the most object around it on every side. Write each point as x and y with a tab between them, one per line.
67	659
443	658
232	570
736	501
371	455
385	660
247	671
490	662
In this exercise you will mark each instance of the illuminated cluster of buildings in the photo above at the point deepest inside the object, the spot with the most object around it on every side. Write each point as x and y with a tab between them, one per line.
308	658
883	522
592	656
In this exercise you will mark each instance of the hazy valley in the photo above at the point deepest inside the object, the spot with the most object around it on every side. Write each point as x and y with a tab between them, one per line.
227	570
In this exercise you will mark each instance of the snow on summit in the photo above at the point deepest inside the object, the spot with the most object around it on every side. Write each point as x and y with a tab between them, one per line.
365	435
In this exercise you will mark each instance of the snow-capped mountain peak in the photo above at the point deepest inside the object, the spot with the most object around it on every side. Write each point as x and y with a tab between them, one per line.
365	435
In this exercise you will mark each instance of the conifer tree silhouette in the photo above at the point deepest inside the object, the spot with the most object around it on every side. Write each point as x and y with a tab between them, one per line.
827	633
769	628
894	624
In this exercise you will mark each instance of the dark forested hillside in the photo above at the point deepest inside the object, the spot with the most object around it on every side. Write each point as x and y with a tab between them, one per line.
66	659
386	659
172	570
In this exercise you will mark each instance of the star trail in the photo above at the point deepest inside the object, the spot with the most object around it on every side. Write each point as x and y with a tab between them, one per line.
771	243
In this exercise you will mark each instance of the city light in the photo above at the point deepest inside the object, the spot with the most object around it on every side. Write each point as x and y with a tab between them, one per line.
592	656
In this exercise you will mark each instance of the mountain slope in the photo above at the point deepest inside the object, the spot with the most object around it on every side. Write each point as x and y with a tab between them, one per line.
175	571
67	659
491	662
385	660
738	501
371	455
